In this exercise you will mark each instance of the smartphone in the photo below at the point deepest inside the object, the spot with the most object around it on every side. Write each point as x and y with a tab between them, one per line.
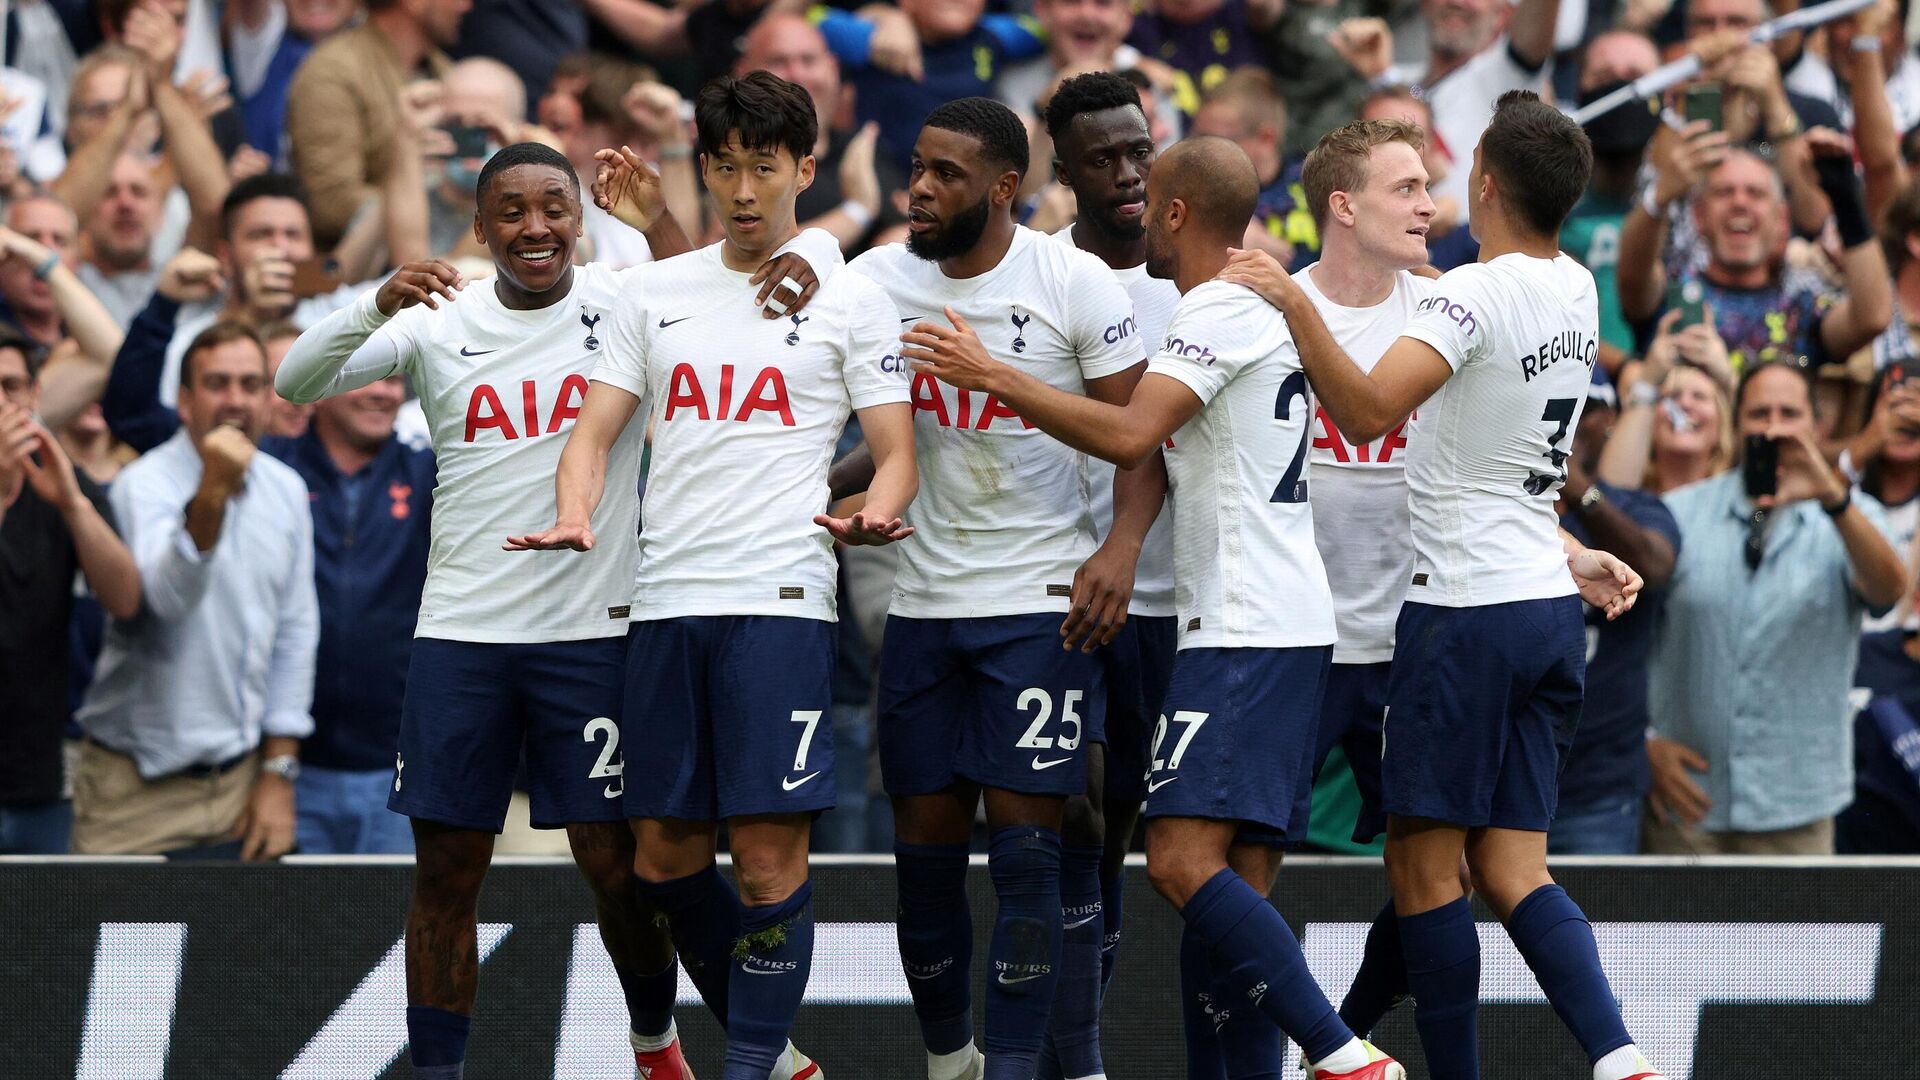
1702	102
1761	466
468	142
1691	301
314	277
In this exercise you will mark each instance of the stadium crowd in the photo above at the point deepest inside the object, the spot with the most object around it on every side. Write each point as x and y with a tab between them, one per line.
190	183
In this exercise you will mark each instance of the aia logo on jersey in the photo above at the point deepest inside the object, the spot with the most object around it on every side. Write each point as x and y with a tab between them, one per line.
768	393
486	410
588	321
929	396
1378	452
1457	312
1020	327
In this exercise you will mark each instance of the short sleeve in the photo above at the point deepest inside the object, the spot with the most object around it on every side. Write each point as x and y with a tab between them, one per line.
872	368
1454	319
1217	330
624	362
1104	333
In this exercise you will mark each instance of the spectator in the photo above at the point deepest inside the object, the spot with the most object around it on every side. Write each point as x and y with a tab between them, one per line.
1884	818
1202	41
1081	35
267	41
193	722
1900	246
1676	424
1748	695
285	419
708	32
1763	307
850	189
1476	51
1884	459
1592	232
1605	775
530	36
600	101
371	496
39	292
1246	107
53	522
119	269
1304	52
343	112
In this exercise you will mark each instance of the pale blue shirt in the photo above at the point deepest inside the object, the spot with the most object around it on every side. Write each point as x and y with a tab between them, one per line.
1752	668
222	652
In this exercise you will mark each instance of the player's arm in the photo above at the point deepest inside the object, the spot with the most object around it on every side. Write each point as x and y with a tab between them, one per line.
345	351
1603	580
581	478
1103	585
851	475
892	480
1126	435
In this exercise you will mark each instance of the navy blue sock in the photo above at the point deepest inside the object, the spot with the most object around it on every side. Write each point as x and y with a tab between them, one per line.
1443	972
437	1039
1112	914
1073	1029
1253	950
1556	941
1251	1048
935	925
703	913
1197	1009
771	963
1382	978
1023	962
650	998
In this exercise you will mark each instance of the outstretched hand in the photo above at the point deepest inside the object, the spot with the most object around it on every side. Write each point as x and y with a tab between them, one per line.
860	530
558	538
1604	581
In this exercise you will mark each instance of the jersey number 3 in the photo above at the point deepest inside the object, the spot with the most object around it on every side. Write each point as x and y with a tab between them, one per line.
1560	413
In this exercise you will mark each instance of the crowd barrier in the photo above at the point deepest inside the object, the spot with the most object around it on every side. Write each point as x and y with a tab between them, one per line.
136	970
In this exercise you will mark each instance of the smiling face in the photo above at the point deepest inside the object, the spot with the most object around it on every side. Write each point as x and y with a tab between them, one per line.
1696	399
529	218
753	192
1084	31
1105	157
363	418
1459	28
1741	214
226	384
1392	210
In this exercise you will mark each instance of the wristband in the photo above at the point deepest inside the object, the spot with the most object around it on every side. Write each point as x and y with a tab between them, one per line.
1843	191
862	217
1650	205
46	265
1643	393
1384	80
1845	465
1866	43
1845	501
676	153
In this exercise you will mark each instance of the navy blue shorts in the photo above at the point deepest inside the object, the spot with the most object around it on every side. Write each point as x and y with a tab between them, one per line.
1350	718
1138	662
994	701
1235	740
1483	705
735	713
471	706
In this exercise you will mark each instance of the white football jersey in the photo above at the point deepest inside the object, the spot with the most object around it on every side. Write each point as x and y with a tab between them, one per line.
1360	491
500	389
745	413
1004	516
1489	453
1246	569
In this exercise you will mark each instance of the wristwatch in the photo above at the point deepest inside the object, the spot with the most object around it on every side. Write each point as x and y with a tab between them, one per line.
1591	498
285	766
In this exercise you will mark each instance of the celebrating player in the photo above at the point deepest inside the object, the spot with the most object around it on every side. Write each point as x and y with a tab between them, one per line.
1104	151
1487	680
729	673
976	693
510	652
1232	752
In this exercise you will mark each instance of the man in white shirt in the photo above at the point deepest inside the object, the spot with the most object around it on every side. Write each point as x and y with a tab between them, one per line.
1232	752
731	655
976	693
509	651
194	719
1470	765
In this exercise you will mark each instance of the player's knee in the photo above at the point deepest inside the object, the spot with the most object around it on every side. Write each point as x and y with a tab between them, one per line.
766	877
609	873
1082	822
1173	874
447	883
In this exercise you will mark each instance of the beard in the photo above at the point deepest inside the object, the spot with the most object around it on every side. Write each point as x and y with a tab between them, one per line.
957	237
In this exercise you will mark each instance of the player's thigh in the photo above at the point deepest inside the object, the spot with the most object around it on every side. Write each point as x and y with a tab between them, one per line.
460	735
923	702
1235	738
665	719
1032	704
1550	652
571	694
770	699
1357	696
1449	701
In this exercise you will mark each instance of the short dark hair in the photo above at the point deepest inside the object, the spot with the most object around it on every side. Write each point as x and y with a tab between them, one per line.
223	332
760	109
602	80
1900	220
1001	134
267	185
31	351
1541	159
1095	91
524	153
1804	373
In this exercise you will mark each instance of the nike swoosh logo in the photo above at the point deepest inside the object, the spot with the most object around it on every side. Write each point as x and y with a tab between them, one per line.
1004	981
613	793
790	785
1038	764
1077	925
1157	785
915	318
464	351
664	323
